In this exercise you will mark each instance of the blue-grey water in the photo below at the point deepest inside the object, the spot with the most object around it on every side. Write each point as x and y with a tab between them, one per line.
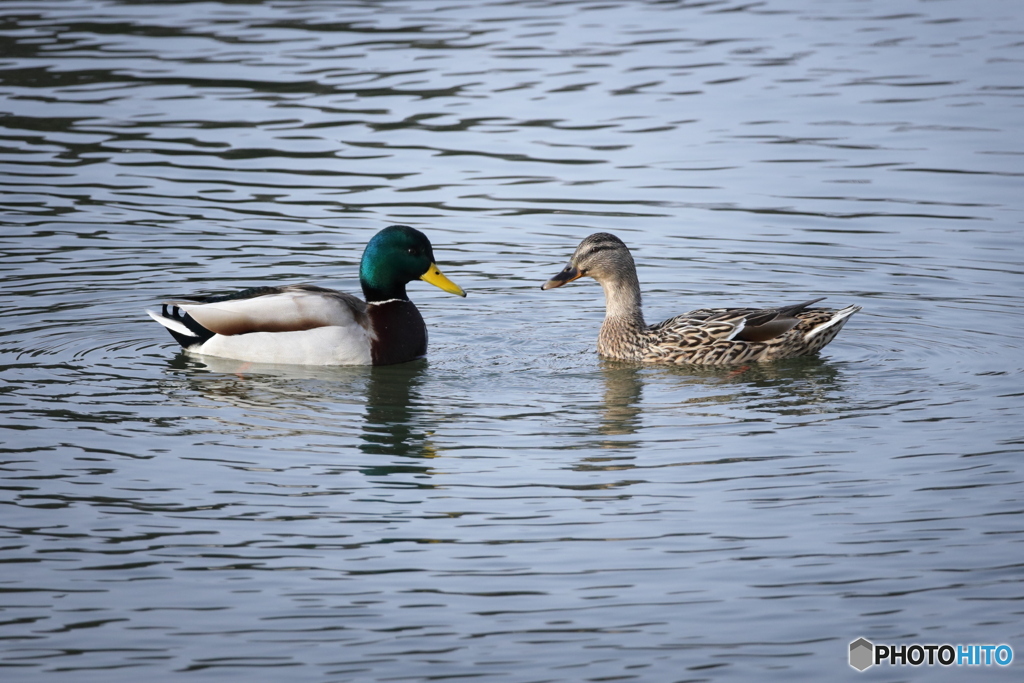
512	508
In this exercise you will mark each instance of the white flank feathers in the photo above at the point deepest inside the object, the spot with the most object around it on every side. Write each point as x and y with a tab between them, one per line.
330	345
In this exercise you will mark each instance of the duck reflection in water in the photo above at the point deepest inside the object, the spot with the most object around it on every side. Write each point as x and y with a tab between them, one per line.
697	395
806	384
623	386
397	418
619	418
377	410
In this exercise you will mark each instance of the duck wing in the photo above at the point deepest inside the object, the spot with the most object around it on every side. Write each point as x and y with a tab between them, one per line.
739	324
268	309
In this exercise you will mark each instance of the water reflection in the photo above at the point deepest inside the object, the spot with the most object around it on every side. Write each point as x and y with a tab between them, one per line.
305	401
247	385
641	400
394	418
799	385
808	384
623	389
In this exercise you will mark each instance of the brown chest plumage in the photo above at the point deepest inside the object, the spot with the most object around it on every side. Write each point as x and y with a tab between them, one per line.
399	332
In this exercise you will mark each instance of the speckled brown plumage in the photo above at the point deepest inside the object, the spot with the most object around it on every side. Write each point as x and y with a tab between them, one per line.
707	336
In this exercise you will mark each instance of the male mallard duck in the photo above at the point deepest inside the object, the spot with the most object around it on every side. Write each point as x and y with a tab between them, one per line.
708	336
309	325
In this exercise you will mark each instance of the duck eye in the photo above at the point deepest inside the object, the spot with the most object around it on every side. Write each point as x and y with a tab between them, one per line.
413	251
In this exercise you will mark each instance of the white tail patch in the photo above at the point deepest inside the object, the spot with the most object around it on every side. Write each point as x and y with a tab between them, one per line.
171	324
838	319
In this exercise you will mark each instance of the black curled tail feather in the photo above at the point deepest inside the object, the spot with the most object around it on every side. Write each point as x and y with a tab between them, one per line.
199	333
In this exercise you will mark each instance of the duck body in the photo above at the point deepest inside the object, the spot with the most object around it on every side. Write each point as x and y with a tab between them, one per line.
310	325
707	336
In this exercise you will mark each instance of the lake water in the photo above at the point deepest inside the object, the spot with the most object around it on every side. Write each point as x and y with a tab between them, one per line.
512	508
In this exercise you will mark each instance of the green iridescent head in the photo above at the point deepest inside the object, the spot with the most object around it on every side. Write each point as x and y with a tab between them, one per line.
396	256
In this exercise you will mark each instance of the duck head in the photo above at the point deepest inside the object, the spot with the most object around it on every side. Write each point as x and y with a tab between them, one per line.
602	256
396	256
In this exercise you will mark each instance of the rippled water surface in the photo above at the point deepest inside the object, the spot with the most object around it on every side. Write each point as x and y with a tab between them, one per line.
512	508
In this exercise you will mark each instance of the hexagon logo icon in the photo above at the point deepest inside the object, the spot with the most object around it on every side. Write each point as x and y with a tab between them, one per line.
862	654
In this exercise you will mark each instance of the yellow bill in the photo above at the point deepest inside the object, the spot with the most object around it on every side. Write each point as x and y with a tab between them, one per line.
435	277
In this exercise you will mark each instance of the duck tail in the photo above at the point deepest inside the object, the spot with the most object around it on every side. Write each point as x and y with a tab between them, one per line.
183	327
838	319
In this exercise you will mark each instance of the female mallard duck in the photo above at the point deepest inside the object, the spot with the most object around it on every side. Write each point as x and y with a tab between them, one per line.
708	336
309	325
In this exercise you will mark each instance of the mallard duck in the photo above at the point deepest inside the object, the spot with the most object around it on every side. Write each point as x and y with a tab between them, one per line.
310	325
707	336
